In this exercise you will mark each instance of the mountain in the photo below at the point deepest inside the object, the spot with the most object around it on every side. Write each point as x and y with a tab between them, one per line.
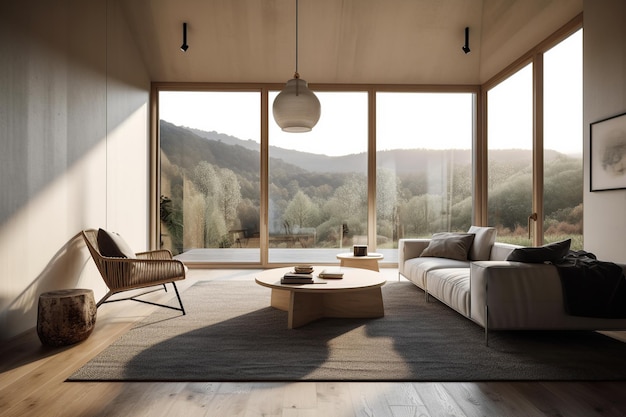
193	140
308	161
187	146
186	149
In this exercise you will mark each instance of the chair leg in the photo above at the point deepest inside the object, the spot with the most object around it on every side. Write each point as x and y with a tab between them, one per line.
134	298
178	296
104	299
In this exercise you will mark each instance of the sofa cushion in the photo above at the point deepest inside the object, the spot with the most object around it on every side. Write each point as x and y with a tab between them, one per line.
417	269
112	245
449	245
483	242
452	287
552	252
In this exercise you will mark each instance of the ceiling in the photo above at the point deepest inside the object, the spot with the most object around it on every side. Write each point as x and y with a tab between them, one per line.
340	41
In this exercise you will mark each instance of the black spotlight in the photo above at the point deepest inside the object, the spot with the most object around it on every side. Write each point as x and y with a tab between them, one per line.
184	46
466	48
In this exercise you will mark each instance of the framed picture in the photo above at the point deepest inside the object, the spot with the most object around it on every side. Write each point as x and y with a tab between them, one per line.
607	161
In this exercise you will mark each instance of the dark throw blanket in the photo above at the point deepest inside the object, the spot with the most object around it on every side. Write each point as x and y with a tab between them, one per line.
592	288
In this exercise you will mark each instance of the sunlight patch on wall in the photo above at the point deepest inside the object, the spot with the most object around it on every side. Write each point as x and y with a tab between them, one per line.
39	247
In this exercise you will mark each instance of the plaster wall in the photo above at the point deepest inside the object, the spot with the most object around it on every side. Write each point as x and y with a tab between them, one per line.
604	93
73	147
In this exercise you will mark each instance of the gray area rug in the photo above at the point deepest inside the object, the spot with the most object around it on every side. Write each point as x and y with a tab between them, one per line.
231	334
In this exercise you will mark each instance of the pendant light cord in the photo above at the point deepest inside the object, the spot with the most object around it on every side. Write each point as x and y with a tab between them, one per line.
296	74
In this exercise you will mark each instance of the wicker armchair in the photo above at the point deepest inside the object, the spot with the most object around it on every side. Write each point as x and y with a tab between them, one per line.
146	269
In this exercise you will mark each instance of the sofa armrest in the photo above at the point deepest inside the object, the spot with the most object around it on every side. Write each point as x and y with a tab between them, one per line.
517	295
500	251
408	249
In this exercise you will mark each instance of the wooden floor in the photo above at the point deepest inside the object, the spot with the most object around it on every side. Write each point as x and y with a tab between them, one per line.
32	383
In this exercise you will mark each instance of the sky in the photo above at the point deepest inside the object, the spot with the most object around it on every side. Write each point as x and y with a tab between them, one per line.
406	120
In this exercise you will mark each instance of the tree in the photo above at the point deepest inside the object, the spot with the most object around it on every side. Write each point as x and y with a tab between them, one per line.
249	217
347	206
193	217
511	202
300	211
205	178
222	194
171	224
422	215
171	209
386	194
229	196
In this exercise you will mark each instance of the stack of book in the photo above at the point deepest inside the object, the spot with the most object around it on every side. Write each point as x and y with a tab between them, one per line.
297	278
301	274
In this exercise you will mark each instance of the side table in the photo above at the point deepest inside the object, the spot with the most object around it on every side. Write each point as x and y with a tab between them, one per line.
65	317
369	261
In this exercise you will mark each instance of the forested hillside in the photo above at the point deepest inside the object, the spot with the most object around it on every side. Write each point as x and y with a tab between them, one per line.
210	185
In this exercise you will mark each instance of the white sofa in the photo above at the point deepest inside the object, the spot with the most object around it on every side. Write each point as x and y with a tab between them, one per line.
495	293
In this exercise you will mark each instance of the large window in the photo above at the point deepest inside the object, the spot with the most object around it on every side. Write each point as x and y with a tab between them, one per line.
563	142
423	164
318	186
209	174
510	160
528	201
318	182
383	163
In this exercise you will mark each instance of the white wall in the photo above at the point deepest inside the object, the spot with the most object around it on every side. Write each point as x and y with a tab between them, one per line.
604	74
73	146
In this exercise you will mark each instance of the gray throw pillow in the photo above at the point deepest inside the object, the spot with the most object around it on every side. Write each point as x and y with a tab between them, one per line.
483	242
552	252
449	245
112	245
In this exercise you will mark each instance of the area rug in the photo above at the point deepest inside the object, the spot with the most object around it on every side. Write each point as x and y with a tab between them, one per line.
231	334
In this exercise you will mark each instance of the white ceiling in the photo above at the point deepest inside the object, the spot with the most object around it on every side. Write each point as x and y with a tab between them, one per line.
340	41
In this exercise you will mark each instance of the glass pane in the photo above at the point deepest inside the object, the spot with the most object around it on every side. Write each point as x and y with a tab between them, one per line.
510	138
424	164
318	182
563	142
210	182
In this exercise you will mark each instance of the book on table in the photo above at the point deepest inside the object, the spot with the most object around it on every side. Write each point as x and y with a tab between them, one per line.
331	273
303	269
296	278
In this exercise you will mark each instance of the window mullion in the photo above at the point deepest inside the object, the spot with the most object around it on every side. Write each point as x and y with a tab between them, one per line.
538	171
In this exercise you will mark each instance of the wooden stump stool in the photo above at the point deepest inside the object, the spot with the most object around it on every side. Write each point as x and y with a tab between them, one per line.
65	317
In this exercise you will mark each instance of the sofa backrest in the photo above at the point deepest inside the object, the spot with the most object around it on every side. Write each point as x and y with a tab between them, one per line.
484	238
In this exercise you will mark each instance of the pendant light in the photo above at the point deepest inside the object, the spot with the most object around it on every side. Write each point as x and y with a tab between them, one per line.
296	108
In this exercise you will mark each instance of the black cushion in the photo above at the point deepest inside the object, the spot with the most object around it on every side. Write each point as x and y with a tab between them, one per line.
552	252
449	245
112	245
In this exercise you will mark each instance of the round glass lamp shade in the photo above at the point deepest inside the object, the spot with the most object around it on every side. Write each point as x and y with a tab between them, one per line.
296	108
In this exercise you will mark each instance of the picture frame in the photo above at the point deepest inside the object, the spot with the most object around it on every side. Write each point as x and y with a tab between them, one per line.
607	160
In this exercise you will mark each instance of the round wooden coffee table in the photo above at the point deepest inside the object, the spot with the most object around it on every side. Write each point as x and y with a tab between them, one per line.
356	295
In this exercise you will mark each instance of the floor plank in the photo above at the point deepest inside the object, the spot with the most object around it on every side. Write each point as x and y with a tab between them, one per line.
333	399
266	399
